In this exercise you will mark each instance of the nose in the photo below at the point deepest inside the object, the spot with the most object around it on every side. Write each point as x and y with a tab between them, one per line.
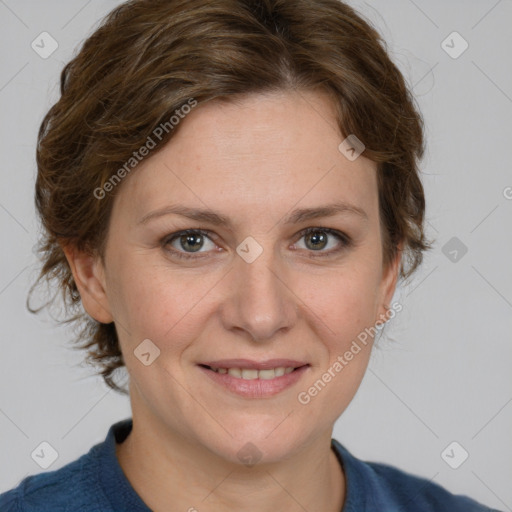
259	300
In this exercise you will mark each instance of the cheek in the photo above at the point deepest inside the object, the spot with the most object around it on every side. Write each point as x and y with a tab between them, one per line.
156	302
349	339
344	307
346	312
344	299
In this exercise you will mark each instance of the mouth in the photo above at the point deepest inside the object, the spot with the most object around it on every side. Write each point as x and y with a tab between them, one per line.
253	373
252	379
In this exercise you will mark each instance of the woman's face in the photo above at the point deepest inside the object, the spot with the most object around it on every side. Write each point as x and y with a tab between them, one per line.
253	287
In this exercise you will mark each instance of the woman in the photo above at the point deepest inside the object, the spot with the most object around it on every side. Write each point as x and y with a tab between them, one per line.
231	191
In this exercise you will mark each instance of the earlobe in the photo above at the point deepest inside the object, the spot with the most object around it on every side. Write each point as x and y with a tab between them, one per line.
89	277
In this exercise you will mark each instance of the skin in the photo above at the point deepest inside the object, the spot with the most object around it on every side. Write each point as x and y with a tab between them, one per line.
254	161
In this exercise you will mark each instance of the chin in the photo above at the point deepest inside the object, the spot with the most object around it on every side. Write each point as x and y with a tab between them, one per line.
256	444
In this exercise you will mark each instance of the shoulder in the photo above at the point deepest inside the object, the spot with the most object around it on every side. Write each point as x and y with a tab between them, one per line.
70	488
373	486
422	494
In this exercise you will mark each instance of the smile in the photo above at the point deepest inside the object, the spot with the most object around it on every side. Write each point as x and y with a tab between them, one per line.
251	373
254	380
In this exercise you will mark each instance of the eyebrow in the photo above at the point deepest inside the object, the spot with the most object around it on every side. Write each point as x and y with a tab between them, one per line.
297	216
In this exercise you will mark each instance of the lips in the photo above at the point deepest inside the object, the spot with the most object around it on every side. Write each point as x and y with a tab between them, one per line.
255	379
249	370
254	365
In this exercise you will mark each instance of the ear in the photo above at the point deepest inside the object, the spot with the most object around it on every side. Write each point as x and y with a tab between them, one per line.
388	285
89	276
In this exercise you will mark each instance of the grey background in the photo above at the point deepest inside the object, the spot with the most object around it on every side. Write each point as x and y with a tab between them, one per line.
443	372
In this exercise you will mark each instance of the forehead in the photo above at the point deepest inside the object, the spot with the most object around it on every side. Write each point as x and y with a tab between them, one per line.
271	150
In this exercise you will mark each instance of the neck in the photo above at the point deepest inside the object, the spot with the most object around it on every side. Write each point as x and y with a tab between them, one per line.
164	469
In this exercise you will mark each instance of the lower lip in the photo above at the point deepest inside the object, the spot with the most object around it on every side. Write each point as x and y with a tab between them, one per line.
255	388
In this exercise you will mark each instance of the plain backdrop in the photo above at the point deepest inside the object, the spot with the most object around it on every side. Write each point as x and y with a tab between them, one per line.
441	374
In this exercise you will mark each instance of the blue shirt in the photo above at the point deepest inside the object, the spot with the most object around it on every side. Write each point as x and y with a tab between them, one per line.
95	482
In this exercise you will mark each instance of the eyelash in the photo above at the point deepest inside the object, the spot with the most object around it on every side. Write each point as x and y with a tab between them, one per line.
346	242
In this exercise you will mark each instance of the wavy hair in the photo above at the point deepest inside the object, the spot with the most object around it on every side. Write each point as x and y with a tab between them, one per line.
147	58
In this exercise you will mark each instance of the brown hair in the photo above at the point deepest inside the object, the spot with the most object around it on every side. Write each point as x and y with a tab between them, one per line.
150	57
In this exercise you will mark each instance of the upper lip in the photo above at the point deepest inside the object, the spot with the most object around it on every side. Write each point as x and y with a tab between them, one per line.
257	365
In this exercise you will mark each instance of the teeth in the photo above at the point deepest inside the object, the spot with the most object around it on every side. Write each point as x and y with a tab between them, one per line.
267	374
235	372
280	371
251	373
